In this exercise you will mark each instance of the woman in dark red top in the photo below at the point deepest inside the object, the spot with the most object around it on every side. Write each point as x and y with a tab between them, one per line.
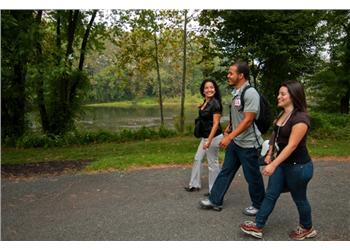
291	165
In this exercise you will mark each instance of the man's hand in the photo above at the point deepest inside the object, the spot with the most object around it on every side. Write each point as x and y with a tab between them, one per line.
224	142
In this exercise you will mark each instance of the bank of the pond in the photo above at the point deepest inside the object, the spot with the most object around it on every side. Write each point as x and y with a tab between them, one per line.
150	102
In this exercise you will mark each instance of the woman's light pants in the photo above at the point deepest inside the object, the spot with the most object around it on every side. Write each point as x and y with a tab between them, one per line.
212	154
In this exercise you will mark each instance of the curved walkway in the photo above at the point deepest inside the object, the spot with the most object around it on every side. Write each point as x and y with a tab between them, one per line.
152	205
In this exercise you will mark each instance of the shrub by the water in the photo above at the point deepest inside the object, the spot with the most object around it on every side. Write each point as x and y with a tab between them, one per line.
34	140
331	126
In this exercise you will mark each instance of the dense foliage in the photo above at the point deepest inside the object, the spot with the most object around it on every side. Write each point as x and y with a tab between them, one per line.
53	61
43	54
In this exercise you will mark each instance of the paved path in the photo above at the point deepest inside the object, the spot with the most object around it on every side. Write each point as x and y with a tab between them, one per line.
152	205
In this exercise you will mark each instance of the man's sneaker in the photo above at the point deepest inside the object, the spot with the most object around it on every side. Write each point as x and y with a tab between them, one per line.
192	189
250	211
302	233
206	203
250	228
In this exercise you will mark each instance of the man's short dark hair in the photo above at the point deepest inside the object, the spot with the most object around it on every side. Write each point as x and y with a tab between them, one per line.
242	68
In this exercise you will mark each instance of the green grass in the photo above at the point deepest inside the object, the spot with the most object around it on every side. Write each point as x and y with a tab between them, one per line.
176	150
329	147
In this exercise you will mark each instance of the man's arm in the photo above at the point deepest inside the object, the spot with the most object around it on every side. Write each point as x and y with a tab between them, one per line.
242	126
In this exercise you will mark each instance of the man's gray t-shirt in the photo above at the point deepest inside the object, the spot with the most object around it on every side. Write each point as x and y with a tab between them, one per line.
248	138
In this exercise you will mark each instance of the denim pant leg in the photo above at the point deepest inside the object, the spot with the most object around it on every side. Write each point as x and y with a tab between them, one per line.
223	181
252	174
273	191
298	176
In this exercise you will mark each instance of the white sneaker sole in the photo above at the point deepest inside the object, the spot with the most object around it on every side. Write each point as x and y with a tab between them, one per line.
310	235
249	214
255	234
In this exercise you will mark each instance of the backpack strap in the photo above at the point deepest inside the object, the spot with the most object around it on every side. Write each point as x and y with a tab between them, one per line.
242	102
256	136
242	108
242	96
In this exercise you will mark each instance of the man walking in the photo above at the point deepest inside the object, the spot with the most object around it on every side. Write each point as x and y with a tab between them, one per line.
241	140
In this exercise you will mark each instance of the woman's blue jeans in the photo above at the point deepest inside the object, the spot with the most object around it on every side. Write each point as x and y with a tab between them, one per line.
295	177
235	156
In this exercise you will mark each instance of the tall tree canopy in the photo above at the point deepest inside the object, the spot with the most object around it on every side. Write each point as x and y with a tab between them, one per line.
49	48
331	83
17	28
278	44
46	67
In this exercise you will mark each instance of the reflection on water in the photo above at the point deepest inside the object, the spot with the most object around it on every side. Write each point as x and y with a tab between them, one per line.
116	118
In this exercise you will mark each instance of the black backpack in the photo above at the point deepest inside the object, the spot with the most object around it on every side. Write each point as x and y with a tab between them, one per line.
265	118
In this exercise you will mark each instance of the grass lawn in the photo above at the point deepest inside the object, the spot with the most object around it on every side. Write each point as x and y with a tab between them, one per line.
177	150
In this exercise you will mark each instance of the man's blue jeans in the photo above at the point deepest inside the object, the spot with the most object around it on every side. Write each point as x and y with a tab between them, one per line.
295	177
234	157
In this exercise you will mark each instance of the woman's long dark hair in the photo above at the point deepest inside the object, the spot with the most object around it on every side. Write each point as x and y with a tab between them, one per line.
297	94
217	94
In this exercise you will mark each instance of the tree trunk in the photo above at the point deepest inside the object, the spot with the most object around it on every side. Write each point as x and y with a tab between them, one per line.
159	80
82	56
40	81
183	85
20	70
58	38
73	18
85	40
72	25
13	99
344	103
60	115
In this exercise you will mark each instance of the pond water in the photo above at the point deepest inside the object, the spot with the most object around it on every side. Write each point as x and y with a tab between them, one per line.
116	118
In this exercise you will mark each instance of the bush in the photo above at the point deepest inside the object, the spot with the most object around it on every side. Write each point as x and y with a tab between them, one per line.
34	140
333	126
189	130
164	132
40	140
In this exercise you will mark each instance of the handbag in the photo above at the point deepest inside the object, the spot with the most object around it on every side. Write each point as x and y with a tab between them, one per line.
198	127
262	151
264	148
202	127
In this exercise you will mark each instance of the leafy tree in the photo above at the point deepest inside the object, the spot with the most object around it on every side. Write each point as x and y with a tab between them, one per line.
17	40
157	25
278	44
147	61
127	68
43	55
331	85
58	70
